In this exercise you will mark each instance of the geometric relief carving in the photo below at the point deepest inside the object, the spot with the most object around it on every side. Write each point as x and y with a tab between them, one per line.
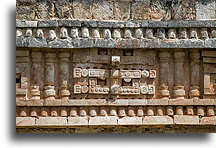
130	81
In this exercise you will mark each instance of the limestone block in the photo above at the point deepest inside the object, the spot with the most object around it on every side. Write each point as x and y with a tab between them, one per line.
25	121
82	9
106	120
181	102
77	121
102	10
157	120
158	101
141	10
49	23
184	10
136	102
121	10
186	120
130	121
160	10
204	101
51	121
205	9
208	120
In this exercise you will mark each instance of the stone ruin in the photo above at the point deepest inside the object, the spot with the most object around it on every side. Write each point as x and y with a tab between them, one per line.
115	66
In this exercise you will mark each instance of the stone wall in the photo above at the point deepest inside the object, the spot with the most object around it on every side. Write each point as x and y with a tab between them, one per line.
115	66
115	9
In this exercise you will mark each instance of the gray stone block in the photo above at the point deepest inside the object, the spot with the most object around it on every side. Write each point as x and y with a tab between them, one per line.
157	24
106	120
60	43
205	9
26	23
48	23
191	43
176	24
83	43
118	24
104	43
51	121
186	120
157	101
208	120
69	23
105	24
157	120
36	42
144	24
130	121
77	121
202	23
21	42
210	43
180	101
25	121
137	102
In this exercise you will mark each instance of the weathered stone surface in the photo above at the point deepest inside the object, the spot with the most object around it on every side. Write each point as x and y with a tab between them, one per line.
51	121
186	120
121	10
82	9
204	101
141	10
205	9
77	121
137	102
208	120
180	101
56	102
157	120
160	10
111	120
25	121
48	24
184	10
130	121
158	101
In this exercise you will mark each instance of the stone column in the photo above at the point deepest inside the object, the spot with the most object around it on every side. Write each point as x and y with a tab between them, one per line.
64	75
179	58
164	67
49	76
194	74
36	74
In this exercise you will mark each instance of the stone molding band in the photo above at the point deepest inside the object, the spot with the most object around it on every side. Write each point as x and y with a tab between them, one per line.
108	34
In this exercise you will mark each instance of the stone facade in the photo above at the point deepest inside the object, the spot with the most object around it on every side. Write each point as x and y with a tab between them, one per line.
115	66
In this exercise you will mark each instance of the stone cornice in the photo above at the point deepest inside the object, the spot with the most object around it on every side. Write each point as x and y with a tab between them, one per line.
115	34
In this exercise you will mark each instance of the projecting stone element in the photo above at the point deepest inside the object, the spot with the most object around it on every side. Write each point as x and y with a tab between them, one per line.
164	92
74	33
131	112
82	112
200	111
190	110
179	92
179	110
107	34
33	112
18	33
103	111
140	112
44	112
171	33
64	92
28	33
149	34
85	32
23	112
169	111
52	35
204	33
160	111
210	111
54	112
49	92
121	112
150	111
25	121
188	120
35	92
93	112
116	34
115	60
183	33
113	111
127	34
40	33
194	92
193	33
96	33
73	112
138	34
64	112
63	33
161	34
